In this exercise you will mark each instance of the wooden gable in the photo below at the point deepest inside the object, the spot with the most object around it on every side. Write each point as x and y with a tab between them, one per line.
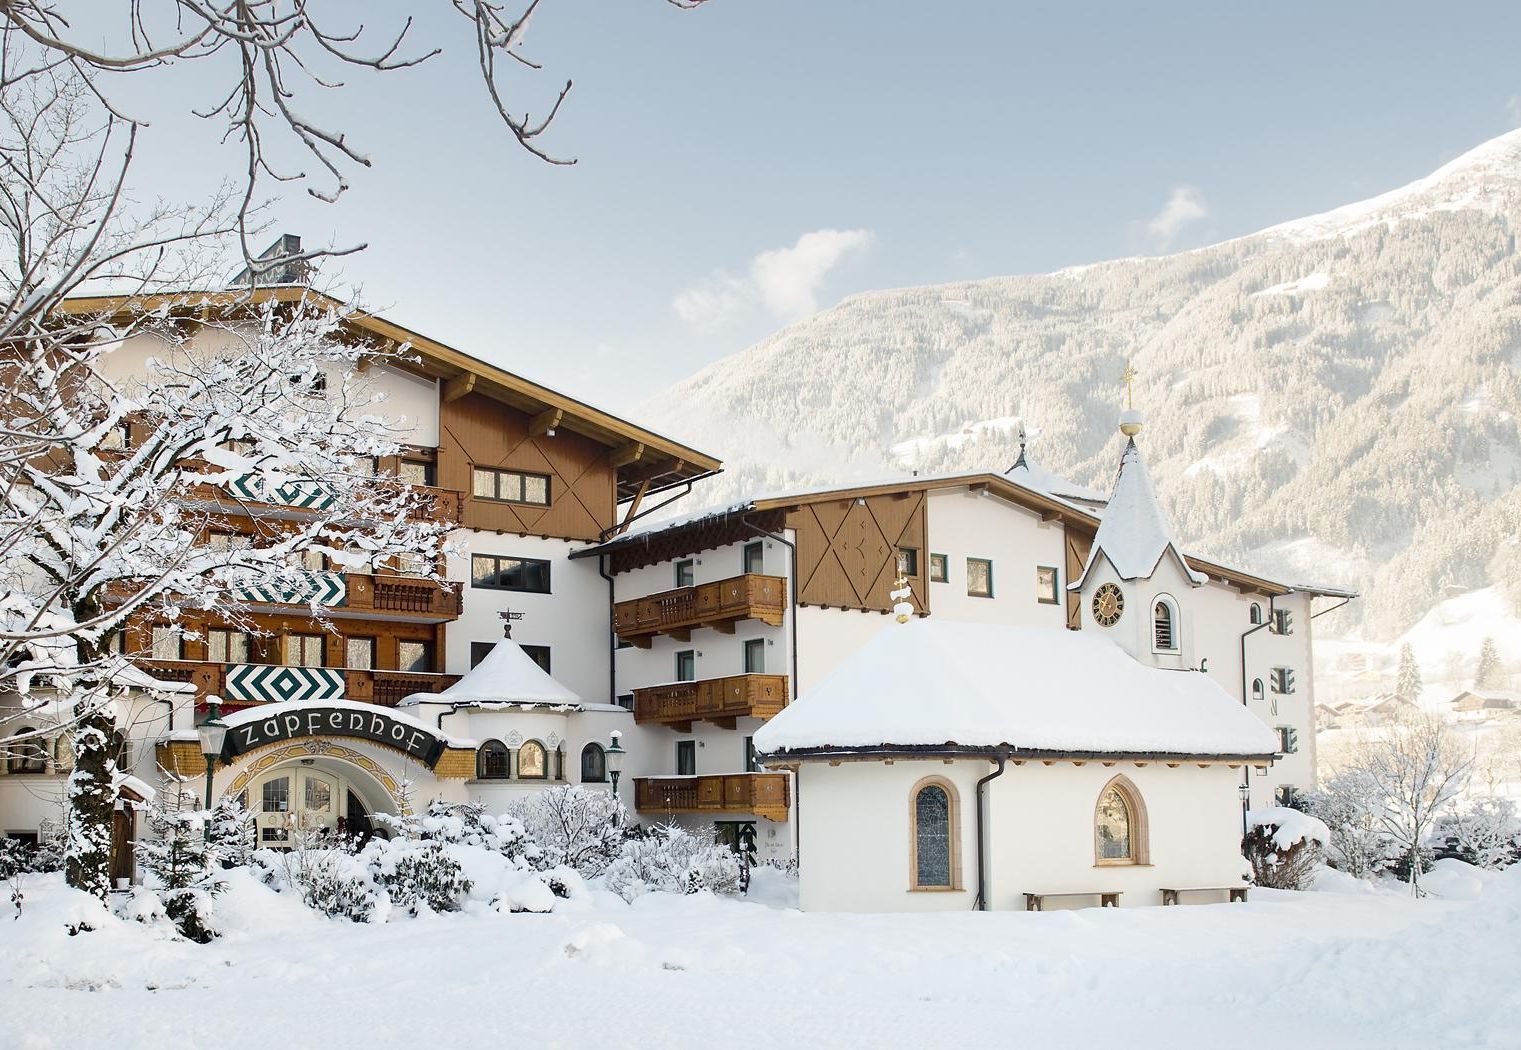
847	550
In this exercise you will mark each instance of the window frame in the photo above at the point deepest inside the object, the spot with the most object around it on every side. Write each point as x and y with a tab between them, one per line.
1259	690
32	760
601	753
1288	740
757	550
689	655
1056	585
953	830
970	561
1281	681
1254	614
499	748
179	636
228	634
429	651
906	561
1174	625
944	561
524	565
303	637
756	645
348	656
543	751
686	567
1140	825
533	653
522	476
687	748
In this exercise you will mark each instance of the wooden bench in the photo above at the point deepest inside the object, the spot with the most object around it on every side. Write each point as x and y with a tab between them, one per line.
1107	898
1237	893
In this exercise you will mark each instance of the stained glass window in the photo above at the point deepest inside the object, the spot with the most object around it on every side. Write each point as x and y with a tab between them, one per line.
932	833
1113	827
531	760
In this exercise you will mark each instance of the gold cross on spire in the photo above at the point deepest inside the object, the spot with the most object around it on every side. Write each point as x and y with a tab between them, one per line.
1128	377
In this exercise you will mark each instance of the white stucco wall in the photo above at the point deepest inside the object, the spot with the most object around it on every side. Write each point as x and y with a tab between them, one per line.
855	833
964	524
572	619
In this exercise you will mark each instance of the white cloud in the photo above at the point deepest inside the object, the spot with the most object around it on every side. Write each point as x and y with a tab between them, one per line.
1184	206
1513	110
783	280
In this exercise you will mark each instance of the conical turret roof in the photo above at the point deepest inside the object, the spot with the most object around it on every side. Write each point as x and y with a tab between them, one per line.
507	675
1134	532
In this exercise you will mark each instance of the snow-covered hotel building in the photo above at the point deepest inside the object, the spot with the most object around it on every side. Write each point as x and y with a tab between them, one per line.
686	636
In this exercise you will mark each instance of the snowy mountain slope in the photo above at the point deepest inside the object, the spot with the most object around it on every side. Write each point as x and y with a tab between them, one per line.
1333	398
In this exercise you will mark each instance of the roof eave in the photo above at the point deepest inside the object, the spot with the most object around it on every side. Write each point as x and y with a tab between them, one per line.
1007	751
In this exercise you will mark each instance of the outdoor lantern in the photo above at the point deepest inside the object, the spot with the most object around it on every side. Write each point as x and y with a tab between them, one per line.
615	755
213	734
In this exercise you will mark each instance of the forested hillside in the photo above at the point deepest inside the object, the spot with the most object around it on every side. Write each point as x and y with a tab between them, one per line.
1333	399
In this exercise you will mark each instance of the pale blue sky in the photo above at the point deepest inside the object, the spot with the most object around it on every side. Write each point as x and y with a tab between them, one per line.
942	142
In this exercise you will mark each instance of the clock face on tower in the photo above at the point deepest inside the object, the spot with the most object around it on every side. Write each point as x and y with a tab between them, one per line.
1108	604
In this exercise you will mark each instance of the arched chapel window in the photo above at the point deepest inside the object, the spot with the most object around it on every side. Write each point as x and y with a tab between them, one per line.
1119	825
492	763
936	864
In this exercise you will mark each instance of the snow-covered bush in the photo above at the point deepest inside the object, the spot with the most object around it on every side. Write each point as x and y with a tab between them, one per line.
30	858
181	867
1484	832
467	824
232	833
577	827
332	881
417	873
670	859
1349	804
1284	847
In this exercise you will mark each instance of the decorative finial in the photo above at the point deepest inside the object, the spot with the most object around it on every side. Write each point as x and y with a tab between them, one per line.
508	616
900	594
1130	419
1021	461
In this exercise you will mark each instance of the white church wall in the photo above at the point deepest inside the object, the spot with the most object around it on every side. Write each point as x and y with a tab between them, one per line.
1042	832
856	833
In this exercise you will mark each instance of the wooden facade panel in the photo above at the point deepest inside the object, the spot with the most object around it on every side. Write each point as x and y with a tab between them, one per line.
477	431
1078	546
847	550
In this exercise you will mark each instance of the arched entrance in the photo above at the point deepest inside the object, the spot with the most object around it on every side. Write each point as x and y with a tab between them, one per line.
309	797
314	787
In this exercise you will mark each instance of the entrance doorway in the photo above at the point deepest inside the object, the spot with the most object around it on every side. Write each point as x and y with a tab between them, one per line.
301	799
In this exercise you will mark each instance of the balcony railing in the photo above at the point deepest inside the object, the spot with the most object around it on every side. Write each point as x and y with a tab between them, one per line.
439	505
716	700
763	794
275	683
719	604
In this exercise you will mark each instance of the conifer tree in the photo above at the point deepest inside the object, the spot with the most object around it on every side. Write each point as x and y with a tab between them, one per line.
1488	674
1408	685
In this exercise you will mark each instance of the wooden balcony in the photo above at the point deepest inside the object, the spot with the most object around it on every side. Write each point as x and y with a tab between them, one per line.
720	605
408	597
241	684
716	700
763	794
304	498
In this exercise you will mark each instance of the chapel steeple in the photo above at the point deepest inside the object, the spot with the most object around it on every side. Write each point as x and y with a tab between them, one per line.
1134	533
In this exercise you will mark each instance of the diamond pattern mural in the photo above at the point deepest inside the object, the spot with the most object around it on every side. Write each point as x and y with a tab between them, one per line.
276	683
324	588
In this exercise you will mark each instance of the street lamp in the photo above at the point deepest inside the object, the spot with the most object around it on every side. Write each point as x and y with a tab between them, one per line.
615	755
213	734
1245	789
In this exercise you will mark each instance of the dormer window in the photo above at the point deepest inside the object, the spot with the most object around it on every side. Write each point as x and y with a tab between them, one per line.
1164	626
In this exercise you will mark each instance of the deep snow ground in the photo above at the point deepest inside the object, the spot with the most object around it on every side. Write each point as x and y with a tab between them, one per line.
1372	969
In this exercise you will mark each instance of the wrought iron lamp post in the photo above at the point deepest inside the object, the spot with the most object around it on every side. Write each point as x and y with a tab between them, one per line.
615	755
213	734
1245	788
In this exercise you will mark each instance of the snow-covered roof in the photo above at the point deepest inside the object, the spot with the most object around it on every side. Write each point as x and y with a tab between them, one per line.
1034	476
1134	532
507	675
933	683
